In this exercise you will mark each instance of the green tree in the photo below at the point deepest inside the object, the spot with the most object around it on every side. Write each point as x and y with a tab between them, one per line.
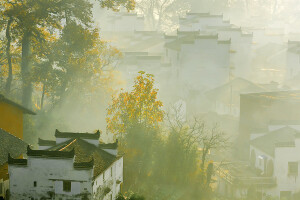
35	22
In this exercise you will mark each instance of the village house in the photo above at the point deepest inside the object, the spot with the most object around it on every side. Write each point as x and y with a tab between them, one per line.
200	21
189	49
275	154
269	133
11	135
257	110
273	167
225	100
75	166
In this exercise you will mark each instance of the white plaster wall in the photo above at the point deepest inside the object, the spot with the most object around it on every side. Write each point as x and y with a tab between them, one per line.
205	63
110	180
282	156
49	174
293	64
286	182
240	51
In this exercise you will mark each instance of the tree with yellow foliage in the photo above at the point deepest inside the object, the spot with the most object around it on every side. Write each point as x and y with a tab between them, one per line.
138	107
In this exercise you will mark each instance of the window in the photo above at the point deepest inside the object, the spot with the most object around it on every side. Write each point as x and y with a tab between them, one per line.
1	191
111	171
34	184
67	186
293	168
103	176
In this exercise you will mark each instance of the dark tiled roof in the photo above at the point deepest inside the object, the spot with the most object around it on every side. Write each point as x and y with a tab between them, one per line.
292	95
25	110
224	41
95	136
52	154
230	91
109	145
85	152
278	138
84	165
42	142
190	39
9	144
13	161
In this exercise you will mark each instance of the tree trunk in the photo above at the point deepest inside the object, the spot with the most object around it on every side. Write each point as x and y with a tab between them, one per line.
43	96
25	70
9	78
204	153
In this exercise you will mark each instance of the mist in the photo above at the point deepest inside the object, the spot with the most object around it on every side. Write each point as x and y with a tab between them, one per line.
201	97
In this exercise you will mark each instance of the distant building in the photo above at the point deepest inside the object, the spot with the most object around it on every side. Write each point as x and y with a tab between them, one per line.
225	100
273	170
257	110
238	180
201	21
199	61
77	166
275	154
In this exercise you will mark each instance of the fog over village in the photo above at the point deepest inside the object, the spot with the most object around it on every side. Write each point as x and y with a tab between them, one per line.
150	99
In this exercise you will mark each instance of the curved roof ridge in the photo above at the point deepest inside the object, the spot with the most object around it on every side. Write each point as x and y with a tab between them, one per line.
59	134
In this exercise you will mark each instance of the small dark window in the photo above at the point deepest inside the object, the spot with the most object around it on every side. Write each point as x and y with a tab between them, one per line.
103	176
34	183
1	191
293	168
111	171
67	186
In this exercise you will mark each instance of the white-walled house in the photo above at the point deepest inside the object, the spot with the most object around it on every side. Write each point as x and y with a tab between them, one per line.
273	170
225	99
76	167
199	61
276	154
